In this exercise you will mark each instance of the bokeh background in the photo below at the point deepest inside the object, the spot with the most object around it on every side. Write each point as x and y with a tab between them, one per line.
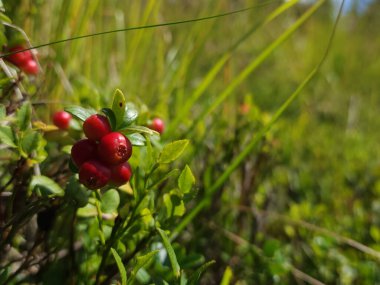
305	204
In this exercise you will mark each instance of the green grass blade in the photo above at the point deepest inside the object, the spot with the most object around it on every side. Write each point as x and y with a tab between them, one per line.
257	138
227	276
210	76
256	62
142	27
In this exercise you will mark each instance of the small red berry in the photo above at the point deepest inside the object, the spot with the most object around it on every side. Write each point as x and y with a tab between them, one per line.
30	67
120	174
157	125
94	175
96	126
83	151
19	58
244	108
114	148
62	120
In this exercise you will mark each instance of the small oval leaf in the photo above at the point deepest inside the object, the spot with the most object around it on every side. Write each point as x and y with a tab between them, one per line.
172	151
79	112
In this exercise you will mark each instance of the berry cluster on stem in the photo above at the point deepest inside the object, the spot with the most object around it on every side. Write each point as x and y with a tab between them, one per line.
102	158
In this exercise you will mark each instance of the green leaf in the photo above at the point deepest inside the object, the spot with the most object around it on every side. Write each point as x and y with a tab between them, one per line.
186	180
139	129
7	136
118	107
174	205
46	185
172	256
129	117
30	141
195	277
41	153
270	247
172	151
120	266
141	261
137	139
111	117
75	192
79	112
110	201
3	17
24	116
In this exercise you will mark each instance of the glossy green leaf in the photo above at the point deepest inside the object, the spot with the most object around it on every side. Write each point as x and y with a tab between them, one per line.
186	180
110	201
7	136
137	139
139	129
118	107
79	112
172	151
120	266
111	117
172	256
196	276
24	116
46	186
129	117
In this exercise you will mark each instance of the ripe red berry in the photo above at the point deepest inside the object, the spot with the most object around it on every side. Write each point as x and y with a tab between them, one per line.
94	175
96	126
120	174
157	125
82	151
19	58
30	67
62	119
114	148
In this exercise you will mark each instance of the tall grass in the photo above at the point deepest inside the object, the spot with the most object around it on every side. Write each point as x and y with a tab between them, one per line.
196	74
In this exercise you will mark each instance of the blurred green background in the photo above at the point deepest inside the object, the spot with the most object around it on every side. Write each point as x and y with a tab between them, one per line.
306	202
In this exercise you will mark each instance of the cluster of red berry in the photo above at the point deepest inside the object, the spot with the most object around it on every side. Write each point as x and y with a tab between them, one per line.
102	157
23	60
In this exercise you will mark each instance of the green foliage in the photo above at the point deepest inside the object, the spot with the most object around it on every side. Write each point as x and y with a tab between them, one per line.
268	164
120	266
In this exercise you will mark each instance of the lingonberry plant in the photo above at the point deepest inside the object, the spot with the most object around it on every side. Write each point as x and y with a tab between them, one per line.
24	60
112	202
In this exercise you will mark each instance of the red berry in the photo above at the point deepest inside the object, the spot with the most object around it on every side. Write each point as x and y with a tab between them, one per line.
94	175
96	126
83	151
62	119
30	67
114	148
120	174
21	57
157	125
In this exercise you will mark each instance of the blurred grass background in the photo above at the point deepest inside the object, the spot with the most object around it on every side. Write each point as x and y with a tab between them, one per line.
320	164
